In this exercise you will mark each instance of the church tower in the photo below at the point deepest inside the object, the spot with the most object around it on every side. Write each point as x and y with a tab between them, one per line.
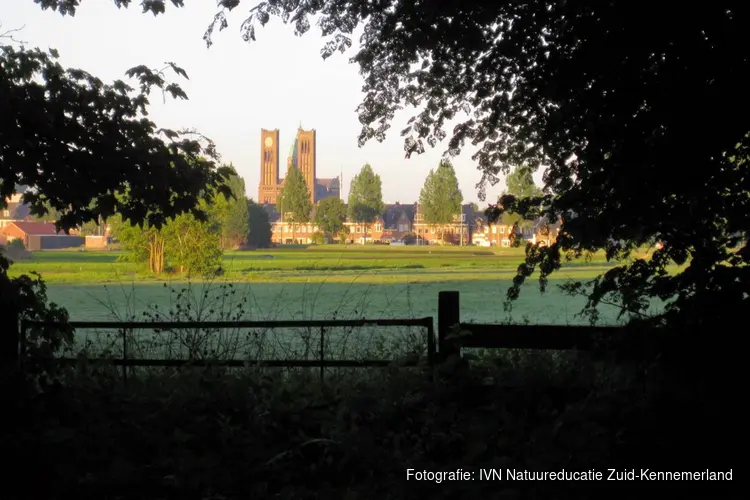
306	159
269	188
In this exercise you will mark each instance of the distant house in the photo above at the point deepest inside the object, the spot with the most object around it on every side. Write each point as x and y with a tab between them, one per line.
38	236
544	232
15	210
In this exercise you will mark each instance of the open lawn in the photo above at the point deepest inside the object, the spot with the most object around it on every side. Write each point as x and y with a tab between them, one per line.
322	281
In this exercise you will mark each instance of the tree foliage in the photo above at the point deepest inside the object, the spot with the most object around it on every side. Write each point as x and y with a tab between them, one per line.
186	244
330	216
230	214
64	128
83	123
441	198
259	234
366	196
141	243
294	200
520	183
193	246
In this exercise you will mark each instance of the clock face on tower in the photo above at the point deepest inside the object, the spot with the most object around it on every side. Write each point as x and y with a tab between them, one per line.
268	142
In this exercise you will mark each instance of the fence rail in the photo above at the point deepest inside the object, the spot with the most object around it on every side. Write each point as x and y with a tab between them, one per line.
509	336
125	326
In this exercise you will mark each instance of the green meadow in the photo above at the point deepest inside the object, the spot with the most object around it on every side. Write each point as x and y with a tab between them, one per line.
321	282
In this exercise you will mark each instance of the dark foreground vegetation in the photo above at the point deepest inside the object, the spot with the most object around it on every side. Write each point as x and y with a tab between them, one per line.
215	433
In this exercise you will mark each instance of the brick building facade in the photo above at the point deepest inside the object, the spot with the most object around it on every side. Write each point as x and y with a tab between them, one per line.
404	224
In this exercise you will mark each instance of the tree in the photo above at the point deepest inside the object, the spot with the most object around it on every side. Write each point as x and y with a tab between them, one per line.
520	183
193	246
86	124
231	214
440	198
190	245
141	243
294	200
366	197
259	235
79	124
330	215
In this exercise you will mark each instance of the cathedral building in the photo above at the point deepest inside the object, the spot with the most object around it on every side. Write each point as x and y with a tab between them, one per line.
302	156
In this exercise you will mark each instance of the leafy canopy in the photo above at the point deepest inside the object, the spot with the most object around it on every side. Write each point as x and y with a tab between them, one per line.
366	196
636	139
259	234
330	215
87	151
64	128
520	183
230	214
440	198
294	200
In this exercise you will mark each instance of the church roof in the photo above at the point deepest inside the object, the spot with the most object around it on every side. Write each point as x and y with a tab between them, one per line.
293	149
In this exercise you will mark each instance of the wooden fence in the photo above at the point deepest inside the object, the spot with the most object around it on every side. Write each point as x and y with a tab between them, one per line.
504	336
509	336
126	327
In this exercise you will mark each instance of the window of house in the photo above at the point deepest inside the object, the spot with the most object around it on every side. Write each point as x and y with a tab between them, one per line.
432	230
506	243
494	229
6	213
378	227
502	229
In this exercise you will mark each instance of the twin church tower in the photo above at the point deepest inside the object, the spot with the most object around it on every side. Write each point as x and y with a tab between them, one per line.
302	155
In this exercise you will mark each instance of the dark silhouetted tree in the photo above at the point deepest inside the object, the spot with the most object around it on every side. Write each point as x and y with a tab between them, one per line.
259	235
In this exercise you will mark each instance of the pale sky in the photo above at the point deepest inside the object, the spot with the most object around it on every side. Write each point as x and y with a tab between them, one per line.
237	88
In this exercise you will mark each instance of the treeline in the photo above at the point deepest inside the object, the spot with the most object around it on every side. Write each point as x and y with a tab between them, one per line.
440	199
186	244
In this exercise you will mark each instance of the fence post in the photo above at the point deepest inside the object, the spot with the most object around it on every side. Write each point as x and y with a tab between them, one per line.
125	355
429	324
322	352
449	315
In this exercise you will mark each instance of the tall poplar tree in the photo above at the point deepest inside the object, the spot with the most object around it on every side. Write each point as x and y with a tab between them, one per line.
294	201
441	197
366	197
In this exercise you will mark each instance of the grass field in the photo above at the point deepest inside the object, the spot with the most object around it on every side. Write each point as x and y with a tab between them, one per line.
320	281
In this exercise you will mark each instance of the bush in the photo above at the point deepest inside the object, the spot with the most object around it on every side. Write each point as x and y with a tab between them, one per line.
16	244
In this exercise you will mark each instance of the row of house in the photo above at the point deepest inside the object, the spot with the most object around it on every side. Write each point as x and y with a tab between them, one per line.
17	223
405	224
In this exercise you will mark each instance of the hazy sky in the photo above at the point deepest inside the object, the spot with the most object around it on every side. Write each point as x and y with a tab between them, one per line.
237	88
